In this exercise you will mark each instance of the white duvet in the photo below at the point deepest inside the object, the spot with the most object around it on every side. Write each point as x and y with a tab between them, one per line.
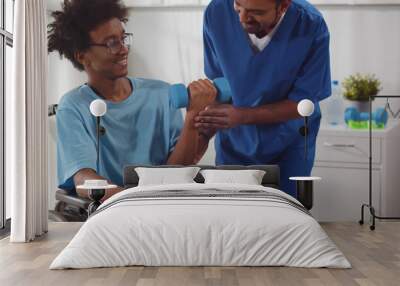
200	231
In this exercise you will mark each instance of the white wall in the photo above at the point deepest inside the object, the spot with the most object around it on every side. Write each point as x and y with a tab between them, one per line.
168	46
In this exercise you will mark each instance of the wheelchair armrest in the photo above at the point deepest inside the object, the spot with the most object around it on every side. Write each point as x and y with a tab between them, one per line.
72	199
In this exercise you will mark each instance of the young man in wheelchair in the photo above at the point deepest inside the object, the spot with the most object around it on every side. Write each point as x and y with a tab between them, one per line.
141	126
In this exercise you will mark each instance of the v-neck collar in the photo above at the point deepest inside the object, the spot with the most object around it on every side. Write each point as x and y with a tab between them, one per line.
259	44
276	36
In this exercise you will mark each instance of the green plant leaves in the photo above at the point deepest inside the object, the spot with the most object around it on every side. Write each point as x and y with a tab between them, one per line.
360	87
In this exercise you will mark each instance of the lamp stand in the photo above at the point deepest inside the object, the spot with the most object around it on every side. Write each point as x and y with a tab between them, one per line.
373	216
305	193
305	185
95	195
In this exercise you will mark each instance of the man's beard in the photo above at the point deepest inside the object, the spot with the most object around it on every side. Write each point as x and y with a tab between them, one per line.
252	28
259	30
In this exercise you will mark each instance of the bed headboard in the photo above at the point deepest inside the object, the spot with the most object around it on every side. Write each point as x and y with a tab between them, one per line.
270	179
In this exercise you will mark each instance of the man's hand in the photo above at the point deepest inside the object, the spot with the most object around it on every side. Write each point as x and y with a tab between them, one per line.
202	94
207	133
191	144
219	116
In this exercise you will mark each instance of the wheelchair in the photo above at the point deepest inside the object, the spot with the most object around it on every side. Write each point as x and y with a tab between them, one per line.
69	206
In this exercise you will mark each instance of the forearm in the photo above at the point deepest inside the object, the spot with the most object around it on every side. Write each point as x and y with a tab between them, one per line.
190	146
269	113
89	174
201	147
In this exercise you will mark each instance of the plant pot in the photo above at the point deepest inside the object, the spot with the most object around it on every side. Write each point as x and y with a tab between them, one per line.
361	106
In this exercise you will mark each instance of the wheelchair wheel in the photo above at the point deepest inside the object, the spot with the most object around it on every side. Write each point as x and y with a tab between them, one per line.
60	207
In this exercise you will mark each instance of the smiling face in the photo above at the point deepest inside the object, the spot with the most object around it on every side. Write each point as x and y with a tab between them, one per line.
259	17
98	60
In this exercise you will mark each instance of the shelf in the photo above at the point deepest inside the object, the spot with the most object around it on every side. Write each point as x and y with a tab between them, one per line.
55	4
194	3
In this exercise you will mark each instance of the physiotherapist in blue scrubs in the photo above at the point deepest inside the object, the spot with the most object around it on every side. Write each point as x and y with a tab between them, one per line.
274	53
141	125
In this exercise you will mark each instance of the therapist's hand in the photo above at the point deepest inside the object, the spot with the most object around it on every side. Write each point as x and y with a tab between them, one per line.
219	116
207	133
202	94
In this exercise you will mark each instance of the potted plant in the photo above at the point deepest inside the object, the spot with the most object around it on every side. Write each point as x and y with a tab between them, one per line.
358	88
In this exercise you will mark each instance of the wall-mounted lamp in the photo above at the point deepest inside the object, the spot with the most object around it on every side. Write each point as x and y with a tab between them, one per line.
304	185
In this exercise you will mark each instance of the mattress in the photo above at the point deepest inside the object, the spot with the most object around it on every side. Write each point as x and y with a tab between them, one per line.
201	225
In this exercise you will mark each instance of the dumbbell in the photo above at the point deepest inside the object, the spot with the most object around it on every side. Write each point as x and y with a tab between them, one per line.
179	95
380	116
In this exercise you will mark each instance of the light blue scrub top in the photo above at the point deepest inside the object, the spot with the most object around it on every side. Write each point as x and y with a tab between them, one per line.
295	66
142	129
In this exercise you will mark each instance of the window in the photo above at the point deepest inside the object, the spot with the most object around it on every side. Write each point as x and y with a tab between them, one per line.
6	44
9	15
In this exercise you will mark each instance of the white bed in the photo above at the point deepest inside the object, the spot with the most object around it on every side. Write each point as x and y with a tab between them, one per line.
242	228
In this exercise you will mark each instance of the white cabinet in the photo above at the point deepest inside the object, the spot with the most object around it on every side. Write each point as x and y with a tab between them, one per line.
342	161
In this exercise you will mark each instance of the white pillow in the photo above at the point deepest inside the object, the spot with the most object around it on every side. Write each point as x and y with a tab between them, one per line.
165	176
248	177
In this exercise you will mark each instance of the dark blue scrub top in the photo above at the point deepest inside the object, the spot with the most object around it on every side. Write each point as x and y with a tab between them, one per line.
295	65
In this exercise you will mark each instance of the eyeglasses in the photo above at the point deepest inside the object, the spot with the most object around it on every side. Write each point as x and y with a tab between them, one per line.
114	46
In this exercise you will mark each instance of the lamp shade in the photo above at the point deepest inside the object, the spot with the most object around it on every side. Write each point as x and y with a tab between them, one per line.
98	107
305	107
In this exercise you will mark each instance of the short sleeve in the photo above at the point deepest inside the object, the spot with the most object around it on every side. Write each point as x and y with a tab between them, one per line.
76	149
212	67
313	81
176	125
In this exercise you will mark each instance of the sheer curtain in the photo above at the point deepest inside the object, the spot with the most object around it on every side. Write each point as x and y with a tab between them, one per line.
26	123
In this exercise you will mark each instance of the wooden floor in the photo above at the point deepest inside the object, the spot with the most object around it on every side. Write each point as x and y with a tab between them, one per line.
375	257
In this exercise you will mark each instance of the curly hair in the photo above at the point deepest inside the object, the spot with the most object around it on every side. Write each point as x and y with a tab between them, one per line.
69	33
